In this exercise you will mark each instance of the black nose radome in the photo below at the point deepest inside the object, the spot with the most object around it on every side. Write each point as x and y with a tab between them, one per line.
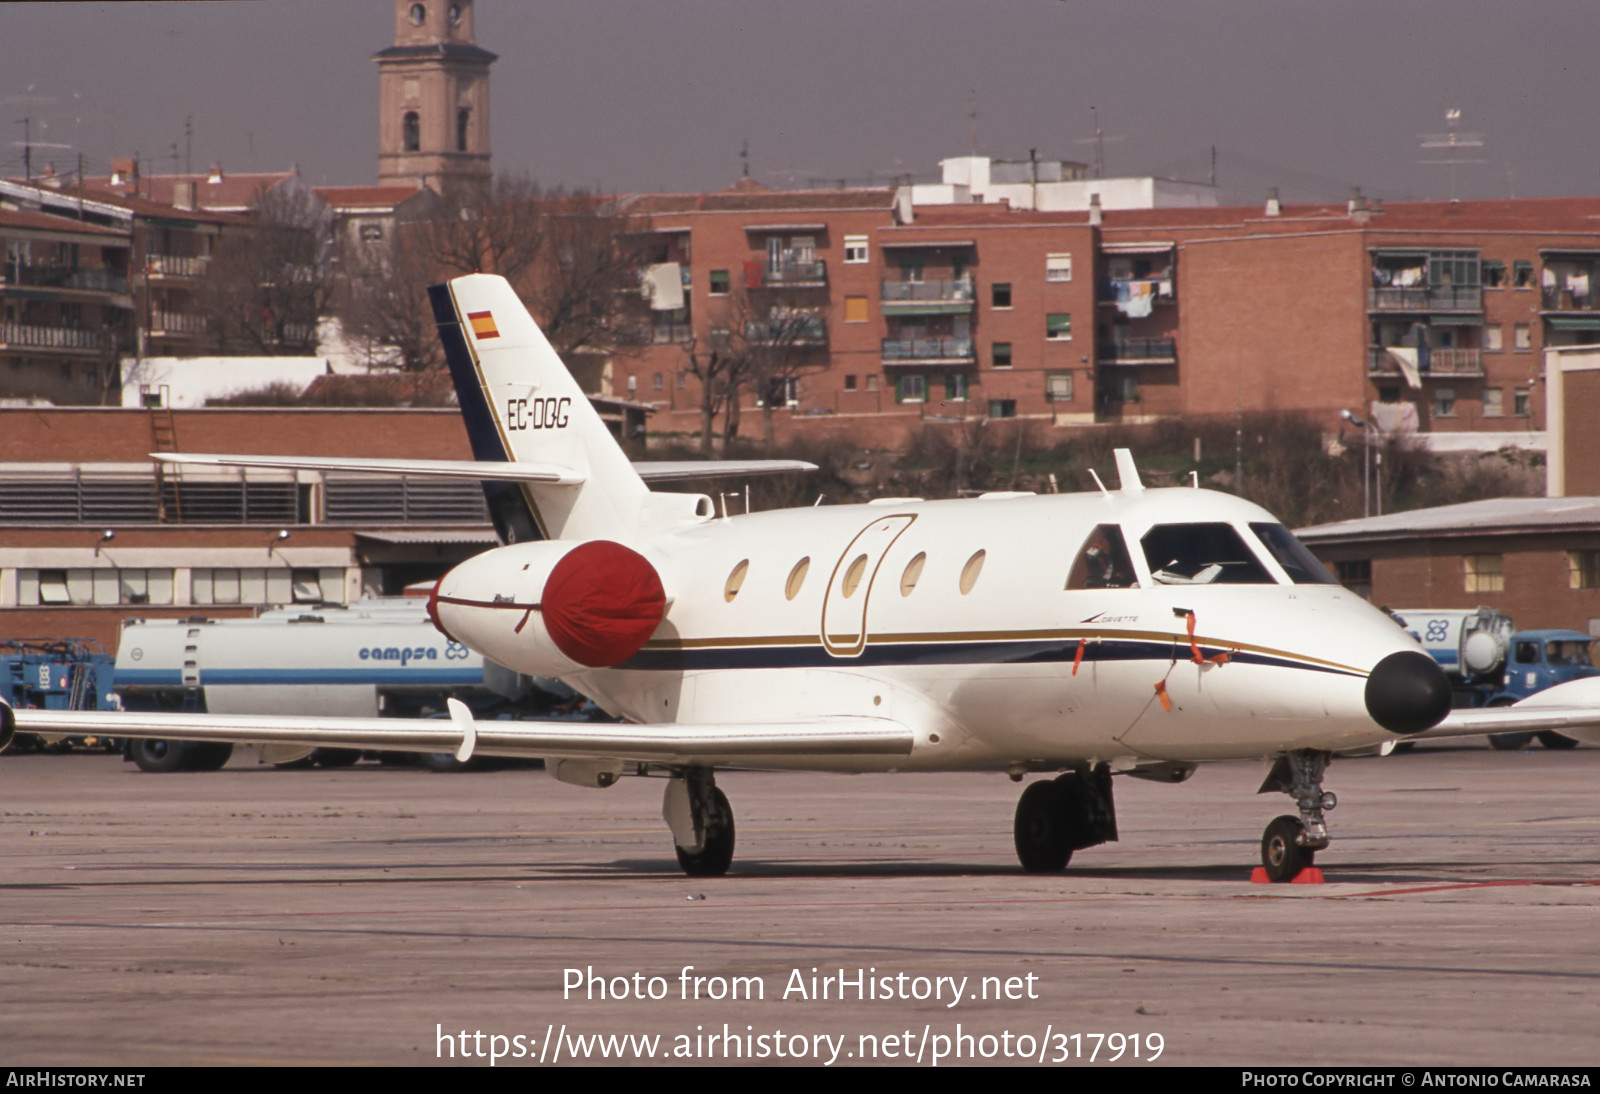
1408	692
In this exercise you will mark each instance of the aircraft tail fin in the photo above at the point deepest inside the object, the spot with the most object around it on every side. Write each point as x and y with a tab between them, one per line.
521	405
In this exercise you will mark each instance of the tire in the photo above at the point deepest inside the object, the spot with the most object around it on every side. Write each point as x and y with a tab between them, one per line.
714	859
1510	742
1281	856
1041	829
336	757
208	756
159	757
1551	739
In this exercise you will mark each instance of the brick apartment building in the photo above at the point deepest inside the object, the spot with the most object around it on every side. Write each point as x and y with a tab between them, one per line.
1432	315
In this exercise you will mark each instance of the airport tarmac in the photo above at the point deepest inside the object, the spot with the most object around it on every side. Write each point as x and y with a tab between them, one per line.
370	915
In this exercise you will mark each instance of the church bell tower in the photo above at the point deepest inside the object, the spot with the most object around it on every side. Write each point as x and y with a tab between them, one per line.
433	98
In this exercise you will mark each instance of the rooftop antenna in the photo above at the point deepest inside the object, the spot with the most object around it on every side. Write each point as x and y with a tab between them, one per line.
188	143
1099	141
744	155
972	115
1454	143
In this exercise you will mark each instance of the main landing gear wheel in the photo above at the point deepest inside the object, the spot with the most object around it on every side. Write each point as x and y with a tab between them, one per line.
1040	829
1057	817
701	821
1281	852
714	859
1510	742
208	756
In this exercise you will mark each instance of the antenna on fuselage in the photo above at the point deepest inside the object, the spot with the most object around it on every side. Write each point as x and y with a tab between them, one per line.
1127	473
1098	483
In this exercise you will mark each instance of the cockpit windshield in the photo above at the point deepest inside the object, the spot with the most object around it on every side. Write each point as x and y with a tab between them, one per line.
1201	554
1102	562
1300	564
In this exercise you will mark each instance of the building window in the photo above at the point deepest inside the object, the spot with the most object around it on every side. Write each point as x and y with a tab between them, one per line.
1522	274
1492	340
913	389
1058	267
849	381
1356	575
463	127
1000	295
1494	274
683	380
955	387
1522	338
872	381
1522	403
411	131
1444	402
1483	573
1058	387
855	309
659	382
855	249
911	269
1583	569
1058	326
1001	355
1002	408
719	283
1494	405
144	586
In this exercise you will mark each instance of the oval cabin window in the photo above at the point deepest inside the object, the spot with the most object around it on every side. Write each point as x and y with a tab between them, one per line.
852	576
913	573
970	572
797	578
735	581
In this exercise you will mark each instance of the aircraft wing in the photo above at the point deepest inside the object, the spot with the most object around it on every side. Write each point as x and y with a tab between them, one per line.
466	737
1571	709
443	469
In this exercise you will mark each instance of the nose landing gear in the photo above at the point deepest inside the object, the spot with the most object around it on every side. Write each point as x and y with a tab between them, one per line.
1290	844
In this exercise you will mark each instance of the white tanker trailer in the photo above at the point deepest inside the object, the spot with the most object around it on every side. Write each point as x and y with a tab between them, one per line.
372	658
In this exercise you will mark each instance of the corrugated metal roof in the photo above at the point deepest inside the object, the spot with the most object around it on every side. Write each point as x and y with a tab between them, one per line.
1495	516
429	536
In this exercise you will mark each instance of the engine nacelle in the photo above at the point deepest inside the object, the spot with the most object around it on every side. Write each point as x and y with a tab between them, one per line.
552	608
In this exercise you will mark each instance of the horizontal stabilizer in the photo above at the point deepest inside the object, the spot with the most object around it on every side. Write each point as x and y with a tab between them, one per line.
747	741
443	469
678	470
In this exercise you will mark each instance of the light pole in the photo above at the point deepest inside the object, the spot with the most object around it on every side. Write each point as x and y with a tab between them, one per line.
1366	462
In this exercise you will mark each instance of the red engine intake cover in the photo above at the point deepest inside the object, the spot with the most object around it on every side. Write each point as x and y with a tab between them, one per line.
602	602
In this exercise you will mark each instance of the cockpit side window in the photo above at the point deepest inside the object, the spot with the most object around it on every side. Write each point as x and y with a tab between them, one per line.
1102	562
1299	563
1201	554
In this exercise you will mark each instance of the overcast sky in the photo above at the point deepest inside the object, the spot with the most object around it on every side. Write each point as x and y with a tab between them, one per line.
1311	96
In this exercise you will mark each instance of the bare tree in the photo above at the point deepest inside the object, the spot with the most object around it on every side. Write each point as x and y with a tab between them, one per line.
783	341
722	367
385	303
270	283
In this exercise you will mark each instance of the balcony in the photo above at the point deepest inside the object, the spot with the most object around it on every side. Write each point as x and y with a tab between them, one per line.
953	297
795	275
947	351
1135	296
1139	351
1426	298
15	336
1451	363
794	331
186	266
65	277
175	324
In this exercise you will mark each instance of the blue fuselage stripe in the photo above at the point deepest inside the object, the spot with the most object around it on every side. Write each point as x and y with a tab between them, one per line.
993	652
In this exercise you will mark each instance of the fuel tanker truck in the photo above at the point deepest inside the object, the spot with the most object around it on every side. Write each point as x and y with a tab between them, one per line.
371	658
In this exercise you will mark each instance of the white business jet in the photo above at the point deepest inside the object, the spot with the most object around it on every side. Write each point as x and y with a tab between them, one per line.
1131	631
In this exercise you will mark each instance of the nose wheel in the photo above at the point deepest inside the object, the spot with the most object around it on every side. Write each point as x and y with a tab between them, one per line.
1290	844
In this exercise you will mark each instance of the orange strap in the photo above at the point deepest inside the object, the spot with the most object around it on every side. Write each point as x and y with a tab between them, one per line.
1194	647
1077	658
1161	693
